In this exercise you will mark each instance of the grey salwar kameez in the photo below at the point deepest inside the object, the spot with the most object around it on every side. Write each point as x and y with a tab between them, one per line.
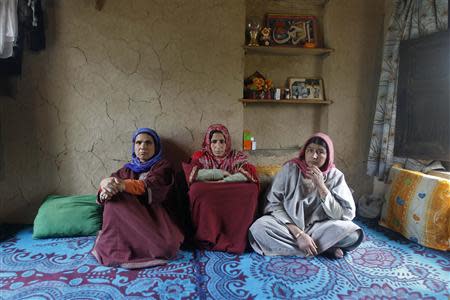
292	198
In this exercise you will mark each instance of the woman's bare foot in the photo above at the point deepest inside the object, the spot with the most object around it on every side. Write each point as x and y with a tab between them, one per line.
338	253
335	253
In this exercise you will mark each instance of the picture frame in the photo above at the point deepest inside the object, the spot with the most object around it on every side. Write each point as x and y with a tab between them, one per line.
307	88
293	31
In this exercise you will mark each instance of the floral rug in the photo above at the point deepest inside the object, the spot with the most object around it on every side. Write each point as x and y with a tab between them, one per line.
385	266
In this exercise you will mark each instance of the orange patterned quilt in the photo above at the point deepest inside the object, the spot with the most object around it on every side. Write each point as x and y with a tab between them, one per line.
418	207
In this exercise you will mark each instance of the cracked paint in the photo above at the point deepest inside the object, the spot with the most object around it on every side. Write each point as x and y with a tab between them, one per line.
175	66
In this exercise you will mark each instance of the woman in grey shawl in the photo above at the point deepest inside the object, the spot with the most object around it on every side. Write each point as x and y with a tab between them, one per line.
309	207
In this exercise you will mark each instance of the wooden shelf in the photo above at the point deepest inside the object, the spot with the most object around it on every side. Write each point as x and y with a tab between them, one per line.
271	151
285	101
286	51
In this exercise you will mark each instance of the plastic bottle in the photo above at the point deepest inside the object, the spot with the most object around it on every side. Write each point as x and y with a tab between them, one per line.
247	143
277	94
253	143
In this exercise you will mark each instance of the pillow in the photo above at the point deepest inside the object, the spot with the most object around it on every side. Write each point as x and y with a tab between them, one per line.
418	207
63	216
269	170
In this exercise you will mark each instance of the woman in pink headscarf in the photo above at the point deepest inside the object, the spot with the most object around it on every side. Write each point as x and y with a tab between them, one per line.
309	207
223	193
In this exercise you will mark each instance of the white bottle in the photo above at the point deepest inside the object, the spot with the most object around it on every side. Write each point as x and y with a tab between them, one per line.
277	94
253	143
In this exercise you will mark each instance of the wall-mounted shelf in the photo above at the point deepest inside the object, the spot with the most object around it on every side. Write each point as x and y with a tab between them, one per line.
286	51
271	151
285	101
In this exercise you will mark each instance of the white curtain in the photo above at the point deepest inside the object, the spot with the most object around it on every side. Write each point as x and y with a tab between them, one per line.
410	19
8	27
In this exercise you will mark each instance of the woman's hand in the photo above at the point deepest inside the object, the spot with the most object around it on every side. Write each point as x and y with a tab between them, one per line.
306	244
110	186
304	241
316	175
225	173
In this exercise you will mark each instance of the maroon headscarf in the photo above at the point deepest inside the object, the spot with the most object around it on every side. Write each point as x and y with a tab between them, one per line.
231	161
329	162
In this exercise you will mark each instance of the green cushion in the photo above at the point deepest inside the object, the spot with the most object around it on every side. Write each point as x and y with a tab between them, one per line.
62	216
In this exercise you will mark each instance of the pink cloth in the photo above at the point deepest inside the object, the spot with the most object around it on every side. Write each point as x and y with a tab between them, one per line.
233	161
329	163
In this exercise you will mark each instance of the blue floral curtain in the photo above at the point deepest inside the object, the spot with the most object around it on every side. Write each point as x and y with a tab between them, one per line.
410	19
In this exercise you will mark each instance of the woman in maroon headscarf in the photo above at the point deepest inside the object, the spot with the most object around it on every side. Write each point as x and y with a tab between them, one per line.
138	230
223	193
309	207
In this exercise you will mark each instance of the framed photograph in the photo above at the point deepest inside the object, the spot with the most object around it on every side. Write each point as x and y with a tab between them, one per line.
292	31
306	88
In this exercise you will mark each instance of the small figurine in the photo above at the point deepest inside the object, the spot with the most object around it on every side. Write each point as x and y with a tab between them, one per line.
265	36
253	26
310	43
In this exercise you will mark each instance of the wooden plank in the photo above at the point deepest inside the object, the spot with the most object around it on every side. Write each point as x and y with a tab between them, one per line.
285	101
287	51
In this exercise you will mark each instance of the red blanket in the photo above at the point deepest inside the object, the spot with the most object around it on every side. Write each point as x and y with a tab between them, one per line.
222	213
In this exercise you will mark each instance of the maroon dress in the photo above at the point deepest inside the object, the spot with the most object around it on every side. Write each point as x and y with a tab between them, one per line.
138	231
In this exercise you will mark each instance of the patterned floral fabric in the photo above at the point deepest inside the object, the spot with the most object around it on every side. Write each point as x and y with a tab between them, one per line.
418	206
385	266
410	19
232	160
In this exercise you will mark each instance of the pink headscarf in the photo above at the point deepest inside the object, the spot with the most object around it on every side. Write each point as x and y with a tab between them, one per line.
231	161
329	162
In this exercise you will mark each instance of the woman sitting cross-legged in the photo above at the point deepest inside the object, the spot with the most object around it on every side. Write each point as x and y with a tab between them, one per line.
138	230
309	207
223	193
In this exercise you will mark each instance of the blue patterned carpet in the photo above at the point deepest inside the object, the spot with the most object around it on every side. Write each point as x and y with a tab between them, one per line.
385	266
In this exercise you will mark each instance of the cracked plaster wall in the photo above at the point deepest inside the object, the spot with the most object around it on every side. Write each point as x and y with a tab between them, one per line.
176	66
355	29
